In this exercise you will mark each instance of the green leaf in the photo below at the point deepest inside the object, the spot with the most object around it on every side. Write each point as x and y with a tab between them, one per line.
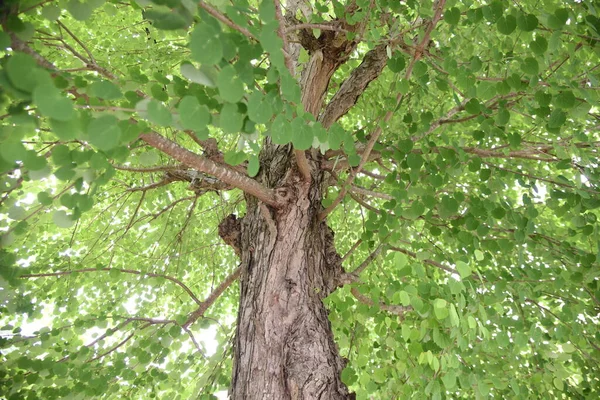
105	90
80	10
502	117
557	119
281	130
302	135
195	75
20	68
463	269
440	309
452	16
396	63
230	86
414	161
527	22
506	24
259	110
52	104
530	66
539	45
177	18
253	166
62	220
231	121
404	298
51	12
206	45
272	43
473	106
290	89
266	11
234	158
104	133
158	113
4	41
565	99
192	114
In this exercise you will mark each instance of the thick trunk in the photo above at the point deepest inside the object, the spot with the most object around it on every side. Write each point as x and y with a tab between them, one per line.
284	345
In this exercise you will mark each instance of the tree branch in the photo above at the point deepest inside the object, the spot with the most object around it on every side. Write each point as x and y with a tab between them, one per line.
394	309
209	9
354	276
207	166
199	312
353	87
127	271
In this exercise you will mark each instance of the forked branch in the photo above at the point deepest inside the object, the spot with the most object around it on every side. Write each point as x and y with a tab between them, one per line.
207	166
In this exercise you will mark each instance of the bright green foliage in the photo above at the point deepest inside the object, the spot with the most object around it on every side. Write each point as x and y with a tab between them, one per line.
484	199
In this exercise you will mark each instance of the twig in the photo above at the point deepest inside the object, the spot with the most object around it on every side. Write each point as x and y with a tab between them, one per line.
203	306
108	269
394	309
209	9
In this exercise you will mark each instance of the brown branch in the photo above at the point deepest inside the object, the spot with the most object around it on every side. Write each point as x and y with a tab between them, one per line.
157	168
430	262
354	276
212	11
377	132
366	192
127	271
207	166
394	309
121	343
353	87
303	166
322	26
283	36
203	306
19	45
364	203
151	186
79	42
553	182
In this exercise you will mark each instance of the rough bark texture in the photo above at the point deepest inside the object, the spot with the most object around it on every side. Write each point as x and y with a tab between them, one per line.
284	345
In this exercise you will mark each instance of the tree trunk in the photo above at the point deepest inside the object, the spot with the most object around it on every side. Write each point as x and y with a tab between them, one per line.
284	346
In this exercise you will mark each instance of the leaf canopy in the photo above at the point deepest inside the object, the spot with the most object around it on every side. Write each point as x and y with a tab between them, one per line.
478	205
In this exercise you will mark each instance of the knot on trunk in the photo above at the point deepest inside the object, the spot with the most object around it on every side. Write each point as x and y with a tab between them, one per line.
230	230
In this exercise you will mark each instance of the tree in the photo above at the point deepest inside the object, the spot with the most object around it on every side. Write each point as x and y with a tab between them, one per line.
396	199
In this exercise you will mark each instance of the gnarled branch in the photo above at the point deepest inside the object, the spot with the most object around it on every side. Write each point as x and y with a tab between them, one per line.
207	166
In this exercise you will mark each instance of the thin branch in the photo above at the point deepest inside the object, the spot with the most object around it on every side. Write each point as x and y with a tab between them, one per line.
303	166
127	271
209	9
79	42
377	132
205	165
353	87
352	249
322	26
354	276
113	349
283	36
430	262
19	45
366	192
203	306
157	168
393	309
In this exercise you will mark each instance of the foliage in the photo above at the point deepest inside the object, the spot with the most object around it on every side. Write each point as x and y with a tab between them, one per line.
477	206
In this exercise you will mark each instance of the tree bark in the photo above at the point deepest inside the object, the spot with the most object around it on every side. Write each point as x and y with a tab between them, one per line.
284	346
